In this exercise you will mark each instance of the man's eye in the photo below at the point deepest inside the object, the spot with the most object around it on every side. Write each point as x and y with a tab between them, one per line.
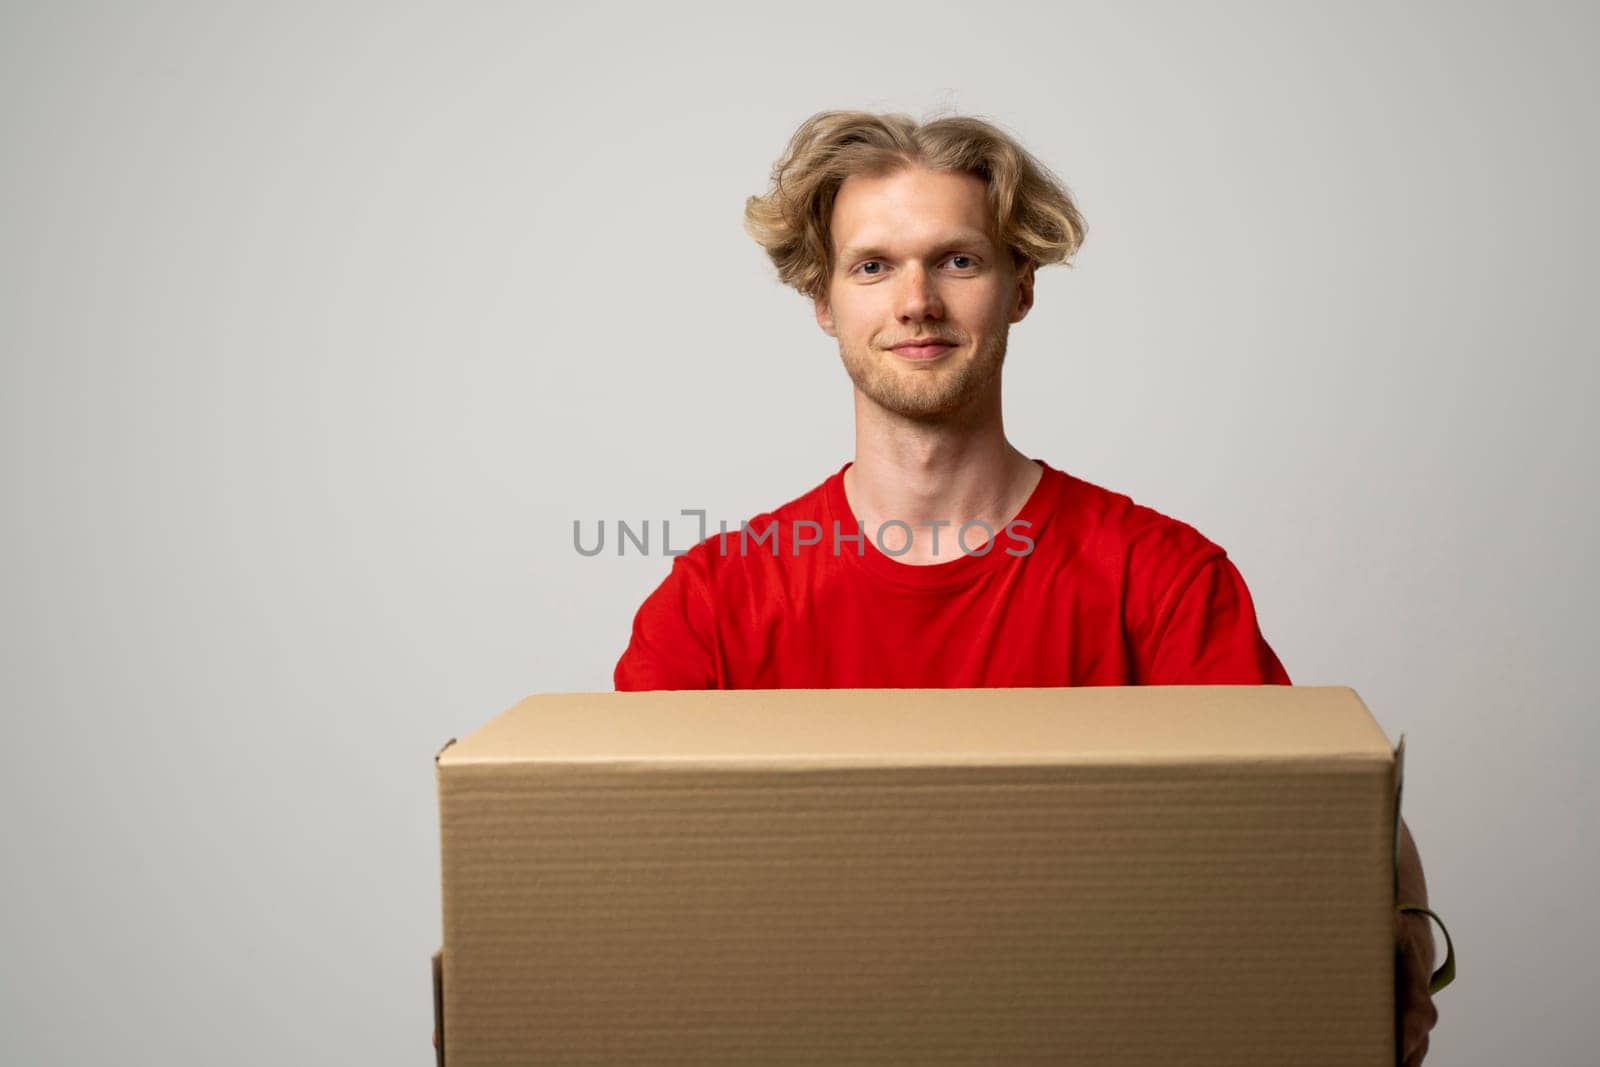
966	263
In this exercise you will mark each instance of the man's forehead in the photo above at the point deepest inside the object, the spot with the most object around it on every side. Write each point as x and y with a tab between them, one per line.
910	208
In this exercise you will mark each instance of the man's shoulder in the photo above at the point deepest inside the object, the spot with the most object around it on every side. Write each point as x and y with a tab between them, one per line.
1115	525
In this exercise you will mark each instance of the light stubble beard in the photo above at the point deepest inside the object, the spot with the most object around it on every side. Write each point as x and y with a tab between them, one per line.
936	394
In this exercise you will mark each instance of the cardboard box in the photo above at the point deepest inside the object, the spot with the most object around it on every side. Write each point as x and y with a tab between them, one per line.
1196	875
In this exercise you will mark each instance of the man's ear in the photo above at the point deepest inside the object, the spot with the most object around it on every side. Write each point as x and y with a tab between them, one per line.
1024	291
824	316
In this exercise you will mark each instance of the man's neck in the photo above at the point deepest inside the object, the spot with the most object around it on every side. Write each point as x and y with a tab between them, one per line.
923	474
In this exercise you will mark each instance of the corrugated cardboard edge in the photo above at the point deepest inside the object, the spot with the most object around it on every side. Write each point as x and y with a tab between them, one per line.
1399	788
438	1007
438	963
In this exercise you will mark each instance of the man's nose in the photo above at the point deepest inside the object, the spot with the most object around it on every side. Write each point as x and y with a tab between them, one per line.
919	296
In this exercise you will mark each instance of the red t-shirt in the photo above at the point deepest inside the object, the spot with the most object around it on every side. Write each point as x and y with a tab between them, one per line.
1083	587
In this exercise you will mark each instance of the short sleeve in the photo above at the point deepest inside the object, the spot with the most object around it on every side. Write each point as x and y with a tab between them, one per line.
1208	634
673	643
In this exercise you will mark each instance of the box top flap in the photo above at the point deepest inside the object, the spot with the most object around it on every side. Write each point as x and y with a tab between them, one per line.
900	727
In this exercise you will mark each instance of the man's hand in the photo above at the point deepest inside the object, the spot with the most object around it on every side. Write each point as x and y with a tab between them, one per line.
1415	1014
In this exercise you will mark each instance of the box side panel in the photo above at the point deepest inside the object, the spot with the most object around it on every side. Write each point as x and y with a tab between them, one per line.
1127	915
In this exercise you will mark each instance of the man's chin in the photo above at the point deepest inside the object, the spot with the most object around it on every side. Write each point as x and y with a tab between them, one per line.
937	393
919	407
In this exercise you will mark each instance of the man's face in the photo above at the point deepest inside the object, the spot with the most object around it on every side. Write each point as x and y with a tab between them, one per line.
916	257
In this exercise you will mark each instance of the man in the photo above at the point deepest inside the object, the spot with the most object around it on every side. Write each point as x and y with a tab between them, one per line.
943	556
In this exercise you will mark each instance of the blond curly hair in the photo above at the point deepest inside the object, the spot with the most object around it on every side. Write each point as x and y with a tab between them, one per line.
1034	213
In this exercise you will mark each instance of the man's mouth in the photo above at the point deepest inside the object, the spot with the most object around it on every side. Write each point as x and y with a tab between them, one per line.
922	350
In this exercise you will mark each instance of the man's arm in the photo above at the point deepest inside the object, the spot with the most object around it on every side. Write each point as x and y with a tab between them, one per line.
1209	636
673	643
1416	1014
1205	633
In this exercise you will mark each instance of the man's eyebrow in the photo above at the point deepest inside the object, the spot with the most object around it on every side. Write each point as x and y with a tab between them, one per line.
966	239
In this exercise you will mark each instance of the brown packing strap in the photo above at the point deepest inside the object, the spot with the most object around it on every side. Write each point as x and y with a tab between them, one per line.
1447	970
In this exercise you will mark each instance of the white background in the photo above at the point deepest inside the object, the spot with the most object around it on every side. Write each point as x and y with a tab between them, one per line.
321	324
